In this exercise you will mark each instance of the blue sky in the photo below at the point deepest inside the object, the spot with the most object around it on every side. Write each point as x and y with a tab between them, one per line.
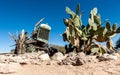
16	15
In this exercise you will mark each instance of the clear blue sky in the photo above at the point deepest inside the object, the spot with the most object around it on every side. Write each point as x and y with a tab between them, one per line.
16	15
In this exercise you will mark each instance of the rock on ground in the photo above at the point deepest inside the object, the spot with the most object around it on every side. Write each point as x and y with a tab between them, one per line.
72	64
58	56
44	57
74	59
106	57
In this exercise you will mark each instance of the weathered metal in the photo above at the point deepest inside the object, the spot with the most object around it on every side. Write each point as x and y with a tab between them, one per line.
43	33
38	40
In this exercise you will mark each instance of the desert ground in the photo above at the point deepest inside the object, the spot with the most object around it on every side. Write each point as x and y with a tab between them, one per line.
109	67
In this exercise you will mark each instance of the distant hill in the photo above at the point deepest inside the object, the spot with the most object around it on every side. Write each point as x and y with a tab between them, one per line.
59	48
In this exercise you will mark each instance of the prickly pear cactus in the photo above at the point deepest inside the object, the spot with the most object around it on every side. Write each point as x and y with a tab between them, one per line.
94	20
81	36
73	24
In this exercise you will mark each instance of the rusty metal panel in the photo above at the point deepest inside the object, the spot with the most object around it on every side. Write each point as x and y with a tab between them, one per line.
43	34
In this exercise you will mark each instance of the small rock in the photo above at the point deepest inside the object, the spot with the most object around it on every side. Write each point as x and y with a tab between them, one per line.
112	57
92	59
57	56
41	52
16	59
24	61
35	62
105	57
44	57
74	59
81	54
2	58
72	54
48	63
116	54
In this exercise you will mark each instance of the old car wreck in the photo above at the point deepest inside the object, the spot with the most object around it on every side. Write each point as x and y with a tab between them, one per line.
36	42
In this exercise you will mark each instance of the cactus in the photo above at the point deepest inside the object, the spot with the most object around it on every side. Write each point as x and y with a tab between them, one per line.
82	36
118	44
108	32
20	42
94	20
118	30
73	24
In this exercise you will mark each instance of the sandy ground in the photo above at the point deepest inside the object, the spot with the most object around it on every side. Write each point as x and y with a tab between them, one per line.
100	68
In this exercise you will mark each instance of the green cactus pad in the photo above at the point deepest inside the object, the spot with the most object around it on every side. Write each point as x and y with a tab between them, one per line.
108	26
70	12
118	30
77	8
114	27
